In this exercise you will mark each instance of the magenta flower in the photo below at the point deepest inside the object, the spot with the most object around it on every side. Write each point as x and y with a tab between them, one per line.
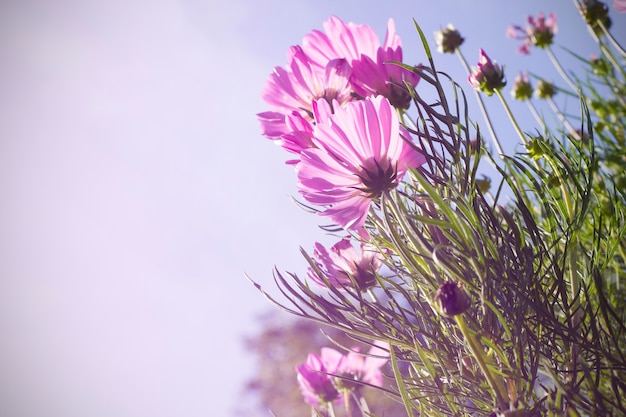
487	76
346	40
362	152
381	77
315	384
539	32
355	369
344	266
321	377
372	70
619	6
295	90
360	368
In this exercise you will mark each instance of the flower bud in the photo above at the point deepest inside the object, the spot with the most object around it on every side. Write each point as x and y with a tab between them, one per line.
483	184
452	299
601	67
522	90
448	40
545	89
487	76
596	12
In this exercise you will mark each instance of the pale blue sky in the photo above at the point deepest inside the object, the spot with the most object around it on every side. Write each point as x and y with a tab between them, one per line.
137	190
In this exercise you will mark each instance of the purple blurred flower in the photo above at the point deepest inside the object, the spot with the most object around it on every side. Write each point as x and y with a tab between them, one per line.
539	32
362	152
487	76
363	368
372	70
316	386
322	377
619	6
344	266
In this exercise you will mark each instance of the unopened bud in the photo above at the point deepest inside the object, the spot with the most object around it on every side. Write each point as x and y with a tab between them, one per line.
452	299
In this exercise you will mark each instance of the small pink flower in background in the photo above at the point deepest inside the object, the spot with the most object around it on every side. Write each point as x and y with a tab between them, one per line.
487	76
522	89
344	266
364	368
316	386
619	6
539	32
361	152
322	377
372	70
295	90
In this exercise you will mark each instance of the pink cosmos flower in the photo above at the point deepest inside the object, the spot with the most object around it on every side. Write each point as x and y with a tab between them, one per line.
321	377
343	266
381	77
372	70
363	368
619	6
487	76
295	90
346	40
316	386
361	152
539	32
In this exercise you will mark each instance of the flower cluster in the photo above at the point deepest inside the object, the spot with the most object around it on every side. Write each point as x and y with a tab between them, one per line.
336	109
345	63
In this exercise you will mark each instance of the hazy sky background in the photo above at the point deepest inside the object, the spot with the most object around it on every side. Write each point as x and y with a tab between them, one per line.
137	190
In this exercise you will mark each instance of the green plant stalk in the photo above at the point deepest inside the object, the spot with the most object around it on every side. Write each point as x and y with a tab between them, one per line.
536	115
511	117
611	39
561	71
562	118
495	383
331	410
572	260
408	404
346	400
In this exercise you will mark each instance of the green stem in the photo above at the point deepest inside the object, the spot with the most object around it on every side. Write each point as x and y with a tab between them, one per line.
511	117
561	71
611	39
536	115
406	400
331	410
495	383
346	399
562	118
